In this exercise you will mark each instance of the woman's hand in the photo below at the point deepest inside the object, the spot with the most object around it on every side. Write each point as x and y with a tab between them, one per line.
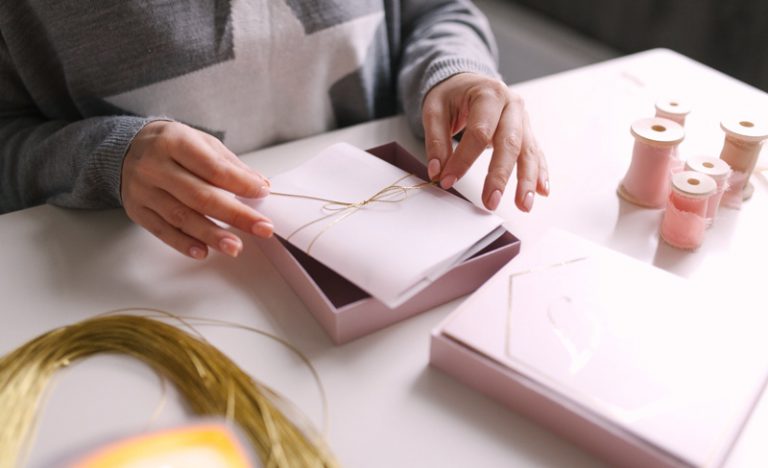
490	114
175	178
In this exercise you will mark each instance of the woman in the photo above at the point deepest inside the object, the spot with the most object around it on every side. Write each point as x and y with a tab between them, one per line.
143	104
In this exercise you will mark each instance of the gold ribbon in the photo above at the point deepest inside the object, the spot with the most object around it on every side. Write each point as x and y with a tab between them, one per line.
392	193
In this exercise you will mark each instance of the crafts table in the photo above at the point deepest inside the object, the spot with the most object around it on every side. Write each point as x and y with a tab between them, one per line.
386	406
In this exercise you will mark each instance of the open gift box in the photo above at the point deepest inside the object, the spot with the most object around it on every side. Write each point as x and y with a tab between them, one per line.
627	360
347	312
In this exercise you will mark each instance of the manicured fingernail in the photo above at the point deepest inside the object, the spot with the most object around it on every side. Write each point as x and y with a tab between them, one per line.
230	246
263	191
448	182
263	229
197	253
546	186
433	168
528	201
494	200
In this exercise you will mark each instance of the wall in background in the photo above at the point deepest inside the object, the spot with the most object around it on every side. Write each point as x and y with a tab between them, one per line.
729	35
532	45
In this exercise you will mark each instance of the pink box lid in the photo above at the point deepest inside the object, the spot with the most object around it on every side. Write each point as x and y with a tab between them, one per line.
637	347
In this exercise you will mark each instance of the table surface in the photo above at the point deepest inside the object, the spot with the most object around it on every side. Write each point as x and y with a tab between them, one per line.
387	407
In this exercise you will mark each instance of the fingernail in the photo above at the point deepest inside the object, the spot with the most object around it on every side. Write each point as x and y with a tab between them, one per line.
268	182
230	246
448	182
528	201
433	168
263	191
546	186
263	229
494	200
197	253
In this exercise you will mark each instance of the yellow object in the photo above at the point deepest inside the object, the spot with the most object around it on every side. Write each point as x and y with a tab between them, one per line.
200	446
209	381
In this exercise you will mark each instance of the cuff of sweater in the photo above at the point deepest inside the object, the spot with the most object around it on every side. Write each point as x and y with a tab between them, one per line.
108	160
442	69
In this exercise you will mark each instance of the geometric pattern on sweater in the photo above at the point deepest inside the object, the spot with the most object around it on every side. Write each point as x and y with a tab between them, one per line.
289	69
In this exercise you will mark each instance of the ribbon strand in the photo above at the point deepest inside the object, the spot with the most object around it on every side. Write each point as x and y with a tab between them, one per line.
392	193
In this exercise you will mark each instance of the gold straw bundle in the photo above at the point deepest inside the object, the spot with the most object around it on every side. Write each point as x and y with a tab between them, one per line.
209	381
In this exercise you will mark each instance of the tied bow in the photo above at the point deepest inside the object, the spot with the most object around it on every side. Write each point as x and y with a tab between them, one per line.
340	210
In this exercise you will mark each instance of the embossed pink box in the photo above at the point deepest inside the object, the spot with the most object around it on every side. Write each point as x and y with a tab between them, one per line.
345	311
627	360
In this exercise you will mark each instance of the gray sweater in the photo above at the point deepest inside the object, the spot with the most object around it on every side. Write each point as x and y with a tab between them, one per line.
79	79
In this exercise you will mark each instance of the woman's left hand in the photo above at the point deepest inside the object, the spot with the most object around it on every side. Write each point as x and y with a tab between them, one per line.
490	114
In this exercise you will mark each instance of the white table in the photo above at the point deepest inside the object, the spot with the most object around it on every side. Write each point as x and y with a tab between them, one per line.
387	408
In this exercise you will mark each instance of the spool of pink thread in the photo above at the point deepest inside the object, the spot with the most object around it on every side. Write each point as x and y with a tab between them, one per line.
647	180
684	221
719	170
673	109
743	140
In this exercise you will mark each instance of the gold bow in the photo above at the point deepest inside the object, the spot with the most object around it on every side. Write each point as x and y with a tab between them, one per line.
392	193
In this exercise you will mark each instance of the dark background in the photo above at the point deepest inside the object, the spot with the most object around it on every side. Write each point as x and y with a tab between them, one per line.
729	35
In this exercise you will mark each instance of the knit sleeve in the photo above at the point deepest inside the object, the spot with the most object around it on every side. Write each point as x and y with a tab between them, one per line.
75	164
441	38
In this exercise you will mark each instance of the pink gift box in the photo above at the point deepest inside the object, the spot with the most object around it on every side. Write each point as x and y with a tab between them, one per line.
345	311
624	359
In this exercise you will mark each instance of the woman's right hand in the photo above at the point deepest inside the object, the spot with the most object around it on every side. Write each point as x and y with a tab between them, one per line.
176	179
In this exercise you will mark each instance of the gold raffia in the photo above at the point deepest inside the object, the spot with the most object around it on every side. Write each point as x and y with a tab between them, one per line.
211	384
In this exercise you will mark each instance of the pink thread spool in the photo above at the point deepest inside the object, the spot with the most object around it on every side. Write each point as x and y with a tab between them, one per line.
719	170
675	110
647	180
741	148
684	221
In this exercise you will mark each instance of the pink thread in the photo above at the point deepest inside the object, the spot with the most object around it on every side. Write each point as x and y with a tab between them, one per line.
675	163
720	171
713	202
682	229
741	148
733	197
673	109
684	220
647	180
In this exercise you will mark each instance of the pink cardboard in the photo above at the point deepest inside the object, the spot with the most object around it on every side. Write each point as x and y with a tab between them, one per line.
629	361
345	311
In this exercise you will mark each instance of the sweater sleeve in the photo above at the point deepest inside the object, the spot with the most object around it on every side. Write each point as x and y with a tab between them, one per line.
441	38
74	164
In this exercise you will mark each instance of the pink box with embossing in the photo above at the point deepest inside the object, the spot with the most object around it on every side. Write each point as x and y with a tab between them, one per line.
345	311
627	360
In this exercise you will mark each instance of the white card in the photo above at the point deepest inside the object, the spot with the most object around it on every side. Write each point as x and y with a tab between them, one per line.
393	248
